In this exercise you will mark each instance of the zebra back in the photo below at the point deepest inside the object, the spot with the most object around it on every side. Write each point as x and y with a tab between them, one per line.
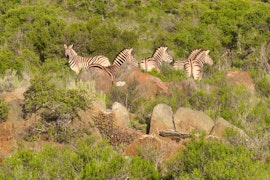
77	63
108	70
123	56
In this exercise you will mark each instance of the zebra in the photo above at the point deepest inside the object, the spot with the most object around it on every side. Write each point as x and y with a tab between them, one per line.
77	63
160	55
179	64
123	56
193	66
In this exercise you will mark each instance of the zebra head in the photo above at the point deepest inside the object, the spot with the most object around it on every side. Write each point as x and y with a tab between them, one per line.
208	59
161	54
69	52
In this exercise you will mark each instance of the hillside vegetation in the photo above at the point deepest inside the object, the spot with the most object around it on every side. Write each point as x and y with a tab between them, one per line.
237	33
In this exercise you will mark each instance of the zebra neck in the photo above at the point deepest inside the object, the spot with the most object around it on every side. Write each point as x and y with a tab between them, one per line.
72	60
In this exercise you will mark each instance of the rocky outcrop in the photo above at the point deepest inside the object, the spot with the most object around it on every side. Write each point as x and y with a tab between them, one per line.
220	127
121	115
241	77
161	119
188	120
103	81
144	84
154	148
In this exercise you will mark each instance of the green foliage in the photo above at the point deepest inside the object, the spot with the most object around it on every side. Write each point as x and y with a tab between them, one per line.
88	159
260	113
109	40
263	86
142	169
35	27
9	61
3	111
202	159
51	163
168	74
56	103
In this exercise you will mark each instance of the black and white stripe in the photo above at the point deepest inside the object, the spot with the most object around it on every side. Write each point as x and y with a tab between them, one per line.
160	55
123	56
77	63
193	66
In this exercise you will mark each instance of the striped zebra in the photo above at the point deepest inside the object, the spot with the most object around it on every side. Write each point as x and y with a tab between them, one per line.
123	56
179	64
193	66
77	63
160	55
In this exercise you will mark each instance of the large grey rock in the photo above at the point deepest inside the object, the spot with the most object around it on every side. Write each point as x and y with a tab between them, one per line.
220	127
187	120
161	119
121	115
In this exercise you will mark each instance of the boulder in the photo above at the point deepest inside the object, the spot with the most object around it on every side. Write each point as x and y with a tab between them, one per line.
241	77
111	125
188	120
222	125
121	115
161	119
103	81
144	84
154	148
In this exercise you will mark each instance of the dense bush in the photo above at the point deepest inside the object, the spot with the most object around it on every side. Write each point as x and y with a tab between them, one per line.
203	159
87	159
3	111
56	103
9	61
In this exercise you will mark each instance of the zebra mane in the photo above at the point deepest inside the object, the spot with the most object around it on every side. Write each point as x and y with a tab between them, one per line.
201	53
159	50
122	56
195	53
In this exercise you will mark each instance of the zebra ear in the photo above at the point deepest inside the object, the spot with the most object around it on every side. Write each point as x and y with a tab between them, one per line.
70	46
65	46
165	48
207	51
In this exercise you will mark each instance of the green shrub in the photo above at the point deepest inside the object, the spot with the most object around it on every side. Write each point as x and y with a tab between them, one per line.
263	86
88	159
202	159
50	163
37	28
56	103
260	114
9	61
142	169
3	111
168	74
